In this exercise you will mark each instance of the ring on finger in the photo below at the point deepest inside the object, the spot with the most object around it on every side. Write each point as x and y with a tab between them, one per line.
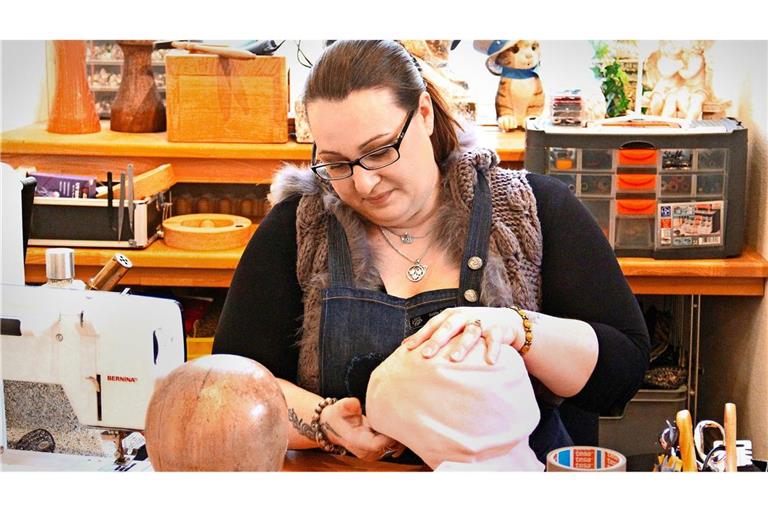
476	322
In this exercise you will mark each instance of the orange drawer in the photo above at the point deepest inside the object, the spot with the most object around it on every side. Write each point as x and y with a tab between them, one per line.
647	157
636	206
636	182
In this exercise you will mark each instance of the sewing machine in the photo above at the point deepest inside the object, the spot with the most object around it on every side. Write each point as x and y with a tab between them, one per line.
105	349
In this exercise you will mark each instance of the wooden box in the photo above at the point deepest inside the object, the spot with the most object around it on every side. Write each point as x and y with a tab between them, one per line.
93	222
215	99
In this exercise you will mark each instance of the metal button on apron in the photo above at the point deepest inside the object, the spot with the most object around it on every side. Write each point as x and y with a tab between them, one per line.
415	322
470	295
475	262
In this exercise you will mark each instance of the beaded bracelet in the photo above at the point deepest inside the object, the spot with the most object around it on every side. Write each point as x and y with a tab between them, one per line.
320	437
527	328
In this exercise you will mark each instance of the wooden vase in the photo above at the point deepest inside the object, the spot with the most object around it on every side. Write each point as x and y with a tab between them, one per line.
72	109
138	107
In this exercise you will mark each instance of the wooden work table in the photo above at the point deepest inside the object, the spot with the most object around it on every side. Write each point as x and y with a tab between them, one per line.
160	265
315	460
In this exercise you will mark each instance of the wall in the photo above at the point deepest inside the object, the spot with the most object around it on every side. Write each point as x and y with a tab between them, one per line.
23	83
734	331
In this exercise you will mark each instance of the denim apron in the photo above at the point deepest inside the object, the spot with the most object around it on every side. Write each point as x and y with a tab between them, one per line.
359	328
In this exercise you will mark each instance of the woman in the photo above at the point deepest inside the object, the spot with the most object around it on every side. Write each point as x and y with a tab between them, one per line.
401	235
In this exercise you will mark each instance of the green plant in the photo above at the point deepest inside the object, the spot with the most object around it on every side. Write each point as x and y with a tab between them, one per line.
613	79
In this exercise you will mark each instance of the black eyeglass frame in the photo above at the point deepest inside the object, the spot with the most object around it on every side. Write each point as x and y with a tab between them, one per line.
395	145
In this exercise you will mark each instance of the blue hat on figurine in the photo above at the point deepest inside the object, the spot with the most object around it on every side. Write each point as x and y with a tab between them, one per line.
492	48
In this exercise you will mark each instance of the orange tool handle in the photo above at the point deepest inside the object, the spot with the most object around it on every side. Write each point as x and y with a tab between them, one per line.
222	51
731	461
685	430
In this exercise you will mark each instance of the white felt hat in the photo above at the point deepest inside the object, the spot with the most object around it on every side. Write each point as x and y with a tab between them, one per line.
467	415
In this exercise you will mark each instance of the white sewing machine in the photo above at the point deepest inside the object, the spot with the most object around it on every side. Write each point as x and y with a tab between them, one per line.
105	349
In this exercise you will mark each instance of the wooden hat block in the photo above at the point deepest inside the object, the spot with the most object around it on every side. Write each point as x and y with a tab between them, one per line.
72	109
138	107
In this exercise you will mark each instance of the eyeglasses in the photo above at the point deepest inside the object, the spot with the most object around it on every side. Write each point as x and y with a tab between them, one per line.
371	161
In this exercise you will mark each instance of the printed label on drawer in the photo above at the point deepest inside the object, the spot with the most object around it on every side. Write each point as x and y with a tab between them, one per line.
677	159
696	224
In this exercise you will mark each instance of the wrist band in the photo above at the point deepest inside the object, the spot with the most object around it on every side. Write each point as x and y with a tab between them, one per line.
527	328
320	437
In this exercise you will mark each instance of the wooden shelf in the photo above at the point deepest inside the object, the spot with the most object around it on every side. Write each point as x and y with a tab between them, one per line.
255	164
36	140
160	265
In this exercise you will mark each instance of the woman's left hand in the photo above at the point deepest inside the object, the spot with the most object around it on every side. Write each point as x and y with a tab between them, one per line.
461	329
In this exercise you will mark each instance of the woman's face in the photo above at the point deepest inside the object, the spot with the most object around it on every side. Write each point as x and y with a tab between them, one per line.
402	194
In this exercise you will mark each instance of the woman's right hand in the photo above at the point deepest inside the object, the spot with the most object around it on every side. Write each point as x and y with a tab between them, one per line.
344	424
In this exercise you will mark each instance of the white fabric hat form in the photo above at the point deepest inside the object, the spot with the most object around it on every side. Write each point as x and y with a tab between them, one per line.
457	416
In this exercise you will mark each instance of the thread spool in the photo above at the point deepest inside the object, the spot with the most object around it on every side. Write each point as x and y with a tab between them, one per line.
203	205
246	207
59	263
260	207
224	206
183	205
673	186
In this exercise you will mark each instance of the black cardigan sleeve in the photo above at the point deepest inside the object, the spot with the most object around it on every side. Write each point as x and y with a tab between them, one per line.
262	312
581	279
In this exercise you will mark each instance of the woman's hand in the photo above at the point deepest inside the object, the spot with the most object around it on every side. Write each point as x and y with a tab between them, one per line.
344	424
461	329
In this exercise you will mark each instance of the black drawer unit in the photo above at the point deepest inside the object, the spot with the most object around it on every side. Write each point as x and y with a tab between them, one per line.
661	192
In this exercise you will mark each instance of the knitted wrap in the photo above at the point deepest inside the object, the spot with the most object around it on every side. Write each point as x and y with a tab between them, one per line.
512	273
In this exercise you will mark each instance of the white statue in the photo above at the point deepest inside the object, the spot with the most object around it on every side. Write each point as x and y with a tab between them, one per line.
680	78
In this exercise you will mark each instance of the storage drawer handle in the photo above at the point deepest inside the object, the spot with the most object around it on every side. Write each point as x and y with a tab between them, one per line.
637	180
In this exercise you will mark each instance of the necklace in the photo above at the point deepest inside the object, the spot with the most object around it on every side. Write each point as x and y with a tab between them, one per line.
406	238
418	270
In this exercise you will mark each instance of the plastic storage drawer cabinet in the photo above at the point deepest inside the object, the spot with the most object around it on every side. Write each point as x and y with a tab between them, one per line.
671	193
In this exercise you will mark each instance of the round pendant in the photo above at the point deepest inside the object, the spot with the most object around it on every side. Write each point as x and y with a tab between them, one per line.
417	272
406	238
